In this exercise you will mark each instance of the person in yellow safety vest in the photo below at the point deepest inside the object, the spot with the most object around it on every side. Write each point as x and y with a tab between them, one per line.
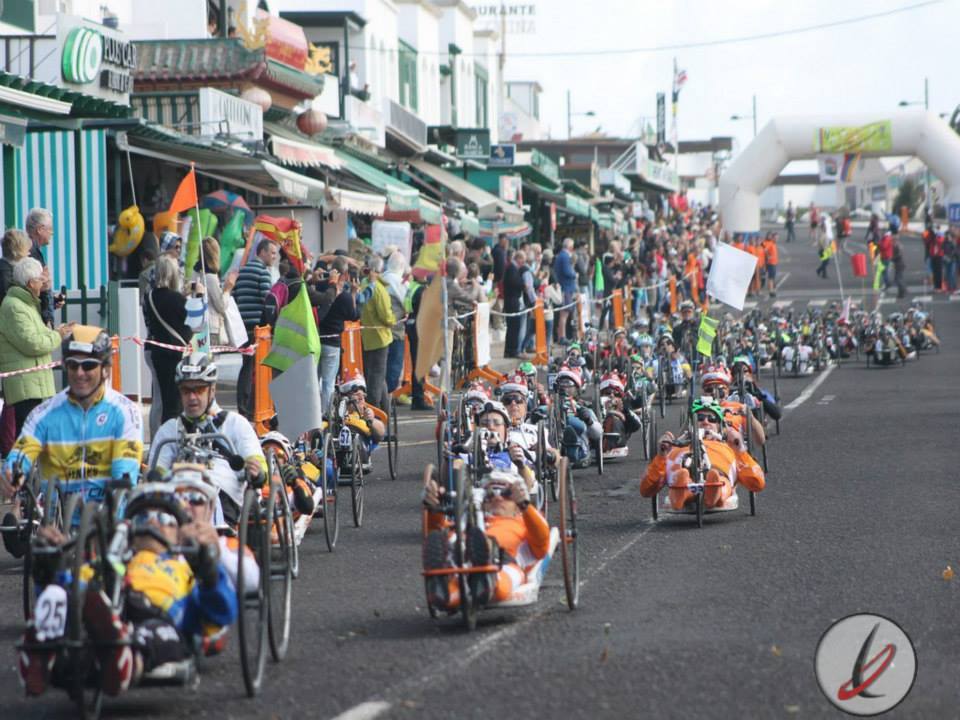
377	319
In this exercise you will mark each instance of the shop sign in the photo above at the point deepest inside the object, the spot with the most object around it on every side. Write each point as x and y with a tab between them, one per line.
221	112
502	155
511	189
545	164
95	59
473	143
19	13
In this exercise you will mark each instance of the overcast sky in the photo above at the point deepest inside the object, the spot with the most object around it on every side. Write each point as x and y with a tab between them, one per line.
864	67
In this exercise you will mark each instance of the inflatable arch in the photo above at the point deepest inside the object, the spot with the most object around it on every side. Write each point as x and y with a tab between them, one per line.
783	139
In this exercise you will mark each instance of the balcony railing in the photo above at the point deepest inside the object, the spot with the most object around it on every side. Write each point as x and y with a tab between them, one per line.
402	121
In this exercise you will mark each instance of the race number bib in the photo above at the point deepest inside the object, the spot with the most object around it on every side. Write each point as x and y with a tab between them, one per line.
345	437
50	617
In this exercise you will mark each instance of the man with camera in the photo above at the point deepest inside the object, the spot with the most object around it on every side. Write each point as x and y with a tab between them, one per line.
335	281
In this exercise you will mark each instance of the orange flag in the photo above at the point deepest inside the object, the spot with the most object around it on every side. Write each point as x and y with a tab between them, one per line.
186	196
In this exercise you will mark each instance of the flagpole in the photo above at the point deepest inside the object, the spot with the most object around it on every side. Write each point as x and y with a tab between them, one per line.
203	267
676	129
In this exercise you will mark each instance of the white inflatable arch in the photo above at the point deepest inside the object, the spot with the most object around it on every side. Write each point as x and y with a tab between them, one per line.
783	139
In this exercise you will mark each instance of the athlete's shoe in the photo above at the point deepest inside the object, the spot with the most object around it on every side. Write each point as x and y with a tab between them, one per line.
34	665
112	640
481	550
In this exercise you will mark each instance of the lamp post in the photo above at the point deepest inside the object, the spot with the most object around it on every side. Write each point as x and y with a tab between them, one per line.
926	106
749	117
571	114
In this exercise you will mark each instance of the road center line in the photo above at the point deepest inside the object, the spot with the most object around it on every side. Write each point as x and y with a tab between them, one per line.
364	711
810	389
782	280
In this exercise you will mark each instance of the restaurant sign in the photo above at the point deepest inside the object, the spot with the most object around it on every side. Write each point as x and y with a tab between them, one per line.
95	59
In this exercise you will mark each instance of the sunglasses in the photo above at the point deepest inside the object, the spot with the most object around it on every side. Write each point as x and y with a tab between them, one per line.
505	492
514	400
712	419
491	422
85	365
193	389
164	519
194	498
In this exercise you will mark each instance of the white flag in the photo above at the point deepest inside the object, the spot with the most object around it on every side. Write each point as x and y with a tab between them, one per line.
296	397
730	275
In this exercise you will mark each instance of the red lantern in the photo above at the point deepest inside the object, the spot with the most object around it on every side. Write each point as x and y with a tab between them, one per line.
312	122
258	96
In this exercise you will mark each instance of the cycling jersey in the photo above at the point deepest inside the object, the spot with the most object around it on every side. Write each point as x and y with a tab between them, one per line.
82	448
234	426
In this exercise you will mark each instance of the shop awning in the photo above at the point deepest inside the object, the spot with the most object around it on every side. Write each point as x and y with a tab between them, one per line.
430	212
487	204
577	206
295	186
298	151
358	202
400	197
544	192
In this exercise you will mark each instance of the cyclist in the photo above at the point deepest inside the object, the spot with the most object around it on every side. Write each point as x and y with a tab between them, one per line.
355	413
716	381
539	397
727	462
514	396
196	379
168	598
619	420
581	426
677	371
685	331
84	435
515	537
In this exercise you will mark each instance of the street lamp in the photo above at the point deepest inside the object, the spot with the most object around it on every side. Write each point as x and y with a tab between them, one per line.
926	106
570	114
749	117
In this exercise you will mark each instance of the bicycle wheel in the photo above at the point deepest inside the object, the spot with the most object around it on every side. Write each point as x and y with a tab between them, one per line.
356	481
753	503
599	449
282	560
284	518
393	440
331	508
569	546
462	522
543	473
89	559
29	511
700	509
252	602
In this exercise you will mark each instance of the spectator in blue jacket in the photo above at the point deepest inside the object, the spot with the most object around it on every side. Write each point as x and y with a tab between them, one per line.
566	276
253	284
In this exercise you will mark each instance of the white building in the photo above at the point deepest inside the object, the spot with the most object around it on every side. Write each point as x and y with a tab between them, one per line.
520	119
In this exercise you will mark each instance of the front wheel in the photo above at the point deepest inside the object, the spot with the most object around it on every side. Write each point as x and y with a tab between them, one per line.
393	440
569	545
252	601
329	477
356	481
283	551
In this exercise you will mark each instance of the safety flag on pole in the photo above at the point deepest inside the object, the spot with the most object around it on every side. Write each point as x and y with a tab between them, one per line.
845	315
706	334
598	285
295	335
186	195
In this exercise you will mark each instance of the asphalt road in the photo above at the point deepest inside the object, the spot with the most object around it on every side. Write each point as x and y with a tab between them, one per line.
858	515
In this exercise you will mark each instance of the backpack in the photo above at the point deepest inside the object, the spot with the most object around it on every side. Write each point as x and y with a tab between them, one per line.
273	303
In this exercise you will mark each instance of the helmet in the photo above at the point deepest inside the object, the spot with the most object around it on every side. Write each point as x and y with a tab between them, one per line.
528	369
196	367
277	439
686	305
645	341
665	337
641	322
352	380
611	381
715	374
153	496
707	405
574	346
476	391
87	340
495	406
192	476
619	331
514	383
637	359
570	374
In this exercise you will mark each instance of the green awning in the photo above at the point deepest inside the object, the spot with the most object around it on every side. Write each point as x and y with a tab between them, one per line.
430	213
470	225
577	206
594	214
545	192
400	196
606	221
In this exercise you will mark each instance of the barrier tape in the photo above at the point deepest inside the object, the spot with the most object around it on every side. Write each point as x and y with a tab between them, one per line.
38	368
249	350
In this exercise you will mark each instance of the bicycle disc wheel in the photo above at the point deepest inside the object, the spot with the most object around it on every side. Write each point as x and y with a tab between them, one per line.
252	603
282	552
331	508
356	481
88	558
393	440
569	546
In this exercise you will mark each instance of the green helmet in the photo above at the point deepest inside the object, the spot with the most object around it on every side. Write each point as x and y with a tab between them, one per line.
705	404
527	368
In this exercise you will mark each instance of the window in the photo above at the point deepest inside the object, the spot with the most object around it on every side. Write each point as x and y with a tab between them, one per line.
407	62
482	84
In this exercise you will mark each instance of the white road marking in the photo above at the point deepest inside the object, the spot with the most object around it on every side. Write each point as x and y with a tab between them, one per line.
364	711
781	280
749	304
417	442
417	421
886	301
826	400
810	389
780	304
955	297
923	298
819	302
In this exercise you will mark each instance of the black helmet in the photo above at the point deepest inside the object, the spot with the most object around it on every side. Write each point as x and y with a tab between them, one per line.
89	341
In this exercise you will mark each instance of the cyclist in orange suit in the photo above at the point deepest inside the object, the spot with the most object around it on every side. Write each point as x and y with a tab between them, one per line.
726	457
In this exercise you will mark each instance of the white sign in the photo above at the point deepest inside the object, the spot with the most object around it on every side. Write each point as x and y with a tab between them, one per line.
386	233
511	189
513	18
95	59
730	275
225	114
483	334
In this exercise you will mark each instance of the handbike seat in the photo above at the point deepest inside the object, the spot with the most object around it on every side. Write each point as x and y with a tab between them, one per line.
529	592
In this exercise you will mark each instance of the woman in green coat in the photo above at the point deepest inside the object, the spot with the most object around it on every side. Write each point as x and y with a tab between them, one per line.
25	342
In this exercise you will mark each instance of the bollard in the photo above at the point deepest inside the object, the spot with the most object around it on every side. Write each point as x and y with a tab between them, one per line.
351	354
541	356
673	294
116	382
263	410
617	302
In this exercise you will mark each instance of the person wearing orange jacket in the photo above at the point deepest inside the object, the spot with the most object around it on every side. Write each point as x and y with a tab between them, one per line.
727	463
772	257
715	381
756	249
515	537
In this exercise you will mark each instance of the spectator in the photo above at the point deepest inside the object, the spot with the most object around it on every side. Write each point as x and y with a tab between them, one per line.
566	277
552	298
25	342
39	227
16	246
165	315
377	319
896	257
358	90
515	291
253	284
500	255
216	295
342	309
791	222
397	290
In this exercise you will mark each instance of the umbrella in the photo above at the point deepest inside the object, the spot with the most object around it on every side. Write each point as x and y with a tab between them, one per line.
222	201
